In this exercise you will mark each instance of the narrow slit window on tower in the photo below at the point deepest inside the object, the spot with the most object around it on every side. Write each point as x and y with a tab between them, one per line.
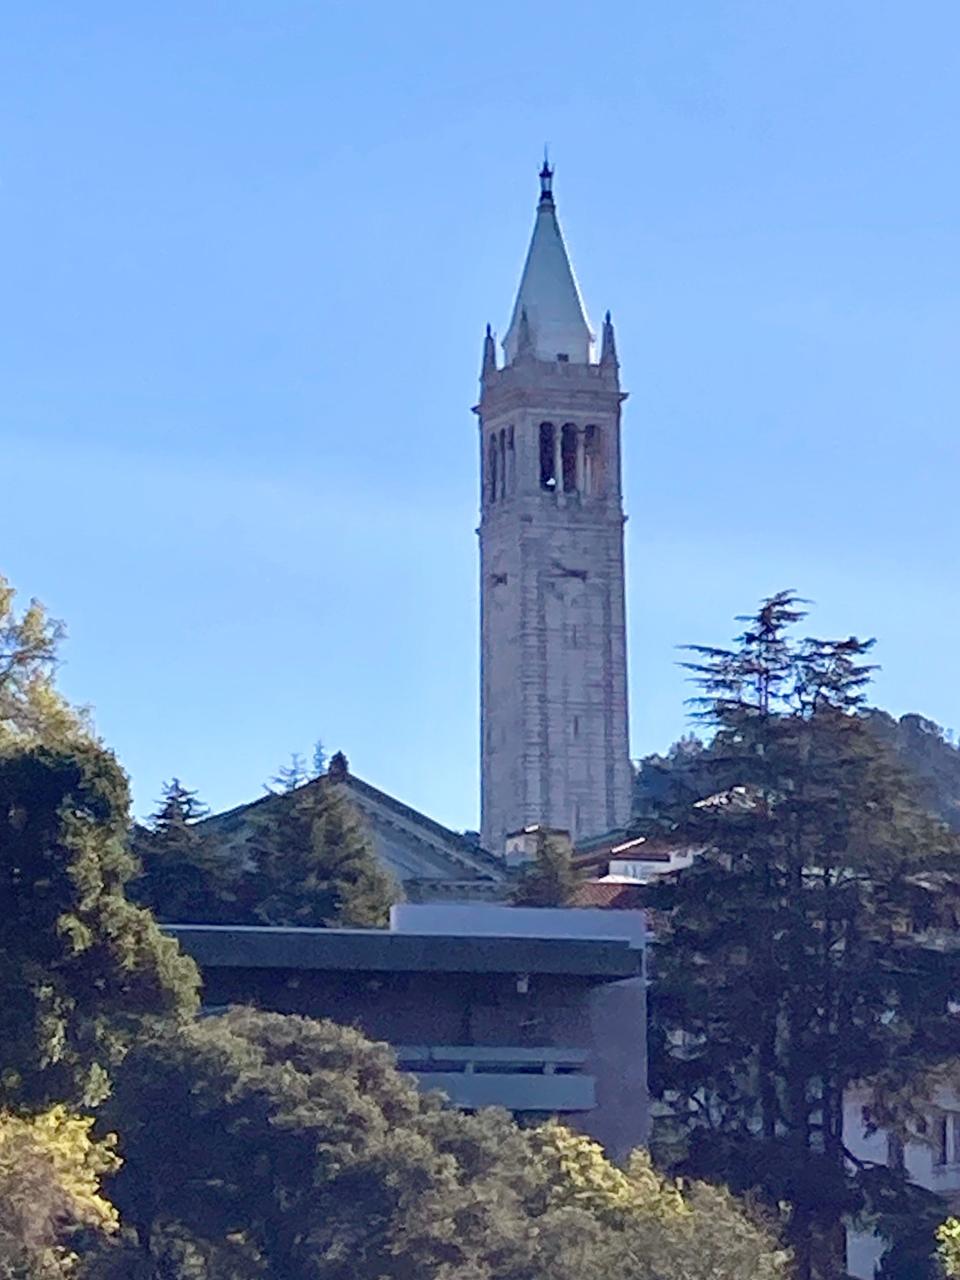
548	471
503	463
492	476
511	462
593	460
568	448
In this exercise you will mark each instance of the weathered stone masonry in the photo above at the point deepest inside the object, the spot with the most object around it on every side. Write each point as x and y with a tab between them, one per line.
554	745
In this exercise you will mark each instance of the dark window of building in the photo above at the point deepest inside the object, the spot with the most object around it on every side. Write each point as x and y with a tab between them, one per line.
492	479
562	357
593	462
568	450
548	473
503	464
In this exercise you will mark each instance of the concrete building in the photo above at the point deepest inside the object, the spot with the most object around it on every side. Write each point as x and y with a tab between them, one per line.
931	1160
541	1012
553	699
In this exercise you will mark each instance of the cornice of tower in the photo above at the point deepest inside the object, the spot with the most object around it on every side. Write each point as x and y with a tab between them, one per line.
555	388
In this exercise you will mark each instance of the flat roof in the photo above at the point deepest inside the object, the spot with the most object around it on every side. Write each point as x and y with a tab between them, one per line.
382	951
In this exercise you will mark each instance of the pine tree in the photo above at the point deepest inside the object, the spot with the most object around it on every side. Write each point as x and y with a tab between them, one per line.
792	963
183	880
315	864
549	881
82	969
289	776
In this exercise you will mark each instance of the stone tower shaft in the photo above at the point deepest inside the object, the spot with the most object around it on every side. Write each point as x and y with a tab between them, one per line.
554	733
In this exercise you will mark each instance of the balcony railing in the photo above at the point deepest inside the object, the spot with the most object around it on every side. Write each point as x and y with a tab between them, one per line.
521	1079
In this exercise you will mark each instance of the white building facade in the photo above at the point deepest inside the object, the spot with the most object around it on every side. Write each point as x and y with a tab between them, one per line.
554	732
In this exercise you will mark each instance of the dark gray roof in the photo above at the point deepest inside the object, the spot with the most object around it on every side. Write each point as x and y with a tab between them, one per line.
379	951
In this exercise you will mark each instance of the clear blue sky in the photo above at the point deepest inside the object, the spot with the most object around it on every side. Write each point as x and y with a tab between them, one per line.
249	248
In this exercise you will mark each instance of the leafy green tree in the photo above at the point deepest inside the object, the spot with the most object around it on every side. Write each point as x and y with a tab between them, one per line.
698	1231
51	1201
296	1141
31	709
82	969
948	1247
550	879
261	1144
184	880
792	961
314	864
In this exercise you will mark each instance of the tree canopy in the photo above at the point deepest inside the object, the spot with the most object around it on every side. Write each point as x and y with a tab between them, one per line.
550	879
261	1144
51	1171
792	961
32	711
82	968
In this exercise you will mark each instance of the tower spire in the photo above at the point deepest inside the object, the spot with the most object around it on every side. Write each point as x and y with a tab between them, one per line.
608	345
489	354
549	292
546	180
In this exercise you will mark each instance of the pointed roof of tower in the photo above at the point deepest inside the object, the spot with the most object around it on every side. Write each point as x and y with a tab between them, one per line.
549	293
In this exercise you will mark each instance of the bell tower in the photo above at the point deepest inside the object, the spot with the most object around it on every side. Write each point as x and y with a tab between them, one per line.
554	745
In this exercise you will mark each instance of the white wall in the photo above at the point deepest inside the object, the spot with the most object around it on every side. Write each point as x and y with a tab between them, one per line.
518	922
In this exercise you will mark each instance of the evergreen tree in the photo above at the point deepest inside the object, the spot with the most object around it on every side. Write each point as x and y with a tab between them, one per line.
319	759
314	864
791	963
82	969
289	776
183	881
549	881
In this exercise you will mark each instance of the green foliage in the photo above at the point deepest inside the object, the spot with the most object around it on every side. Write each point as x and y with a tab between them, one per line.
314	864
924	751
50	1193
31	709
258	1144
948	1247
792	962
306	860
698	1232
549	881
82	968
183	879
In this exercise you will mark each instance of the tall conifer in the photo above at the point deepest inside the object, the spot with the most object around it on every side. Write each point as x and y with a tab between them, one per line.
314	864
792	961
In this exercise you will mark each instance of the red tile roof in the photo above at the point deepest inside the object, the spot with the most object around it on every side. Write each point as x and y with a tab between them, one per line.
608	894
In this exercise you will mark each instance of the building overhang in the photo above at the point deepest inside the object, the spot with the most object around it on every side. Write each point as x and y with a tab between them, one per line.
382	951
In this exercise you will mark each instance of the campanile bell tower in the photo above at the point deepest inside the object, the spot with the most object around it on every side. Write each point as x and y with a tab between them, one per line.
554	745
